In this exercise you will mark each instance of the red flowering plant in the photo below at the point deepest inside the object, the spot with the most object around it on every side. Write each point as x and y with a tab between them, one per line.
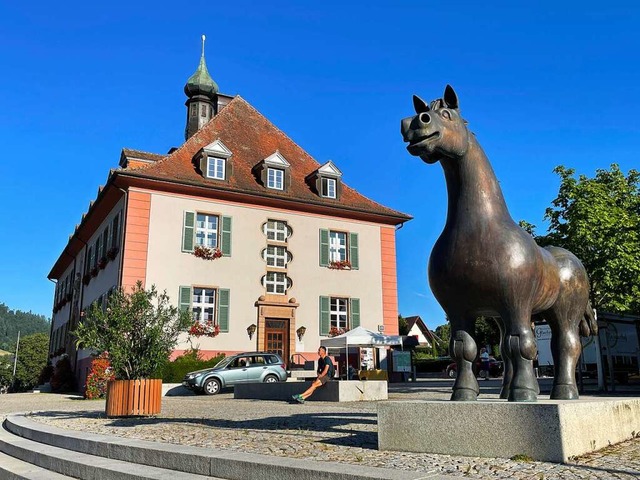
204	329
335	331
340	265
102	263
112	252
207	253
100	374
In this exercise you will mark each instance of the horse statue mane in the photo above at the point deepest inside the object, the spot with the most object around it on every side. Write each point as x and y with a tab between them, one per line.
484	264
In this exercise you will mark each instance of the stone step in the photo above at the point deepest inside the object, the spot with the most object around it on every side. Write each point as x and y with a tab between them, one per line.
14	469
81	465
197	462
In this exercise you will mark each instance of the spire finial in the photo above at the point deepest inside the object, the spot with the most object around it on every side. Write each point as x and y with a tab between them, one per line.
203	39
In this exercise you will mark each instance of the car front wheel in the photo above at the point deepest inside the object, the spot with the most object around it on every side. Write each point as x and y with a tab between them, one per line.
270	379
211	387
452	373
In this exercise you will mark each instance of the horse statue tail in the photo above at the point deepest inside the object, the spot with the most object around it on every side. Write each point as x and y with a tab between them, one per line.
589	323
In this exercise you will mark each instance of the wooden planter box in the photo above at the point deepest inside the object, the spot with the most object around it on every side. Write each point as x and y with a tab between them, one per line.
133	397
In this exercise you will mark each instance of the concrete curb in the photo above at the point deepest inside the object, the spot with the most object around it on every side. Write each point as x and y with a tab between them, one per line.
200	461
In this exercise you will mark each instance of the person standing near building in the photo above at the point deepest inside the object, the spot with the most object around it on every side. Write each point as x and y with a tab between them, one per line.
484	362
326	371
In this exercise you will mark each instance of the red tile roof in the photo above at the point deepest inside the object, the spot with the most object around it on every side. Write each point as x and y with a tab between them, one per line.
251	138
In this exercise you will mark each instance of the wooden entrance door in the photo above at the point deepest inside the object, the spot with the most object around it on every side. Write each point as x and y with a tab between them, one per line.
277	337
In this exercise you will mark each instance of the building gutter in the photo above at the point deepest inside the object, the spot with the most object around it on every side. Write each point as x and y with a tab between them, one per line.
380	217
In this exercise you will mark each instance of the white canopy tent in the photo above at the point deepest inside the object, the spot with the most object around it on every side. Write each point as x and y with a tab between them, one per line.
362	338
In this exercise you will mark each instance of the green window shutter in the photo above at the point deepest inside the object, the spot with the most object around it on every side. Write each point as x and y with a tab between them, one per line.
354	313
325	318
92	258
226	237
353	251
185	299
223	309
188	231
324	248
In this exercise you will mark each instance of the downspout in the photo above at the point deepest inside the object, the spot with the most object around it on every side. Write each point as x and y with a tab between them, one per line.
123	232
80	300
55	282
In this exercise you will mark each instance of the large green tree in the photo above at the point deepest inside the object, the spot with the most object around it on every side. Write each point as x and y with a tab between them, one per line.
12	321
598	219
32	358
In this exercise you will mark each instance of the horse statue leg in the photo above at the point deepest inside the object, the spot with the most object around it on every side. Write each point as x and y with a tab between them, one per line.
521	345
565	348
463	350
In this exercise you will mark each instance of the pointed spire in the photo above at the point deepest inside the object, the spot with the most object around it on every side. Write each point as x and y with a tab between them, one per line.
201	82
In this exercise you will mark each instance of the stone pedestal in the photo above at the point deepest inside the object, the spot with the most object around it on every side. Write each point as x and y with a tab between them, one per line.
334	391
549	430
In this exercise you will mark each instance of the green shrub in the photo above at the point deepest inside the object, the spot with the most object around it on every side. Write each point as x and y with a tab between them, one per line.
432	365
174	372
63	379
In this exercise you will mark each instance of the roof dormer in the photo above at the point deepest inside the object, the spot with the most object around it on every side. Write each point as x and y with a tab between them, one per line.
274	172
326	181
214	161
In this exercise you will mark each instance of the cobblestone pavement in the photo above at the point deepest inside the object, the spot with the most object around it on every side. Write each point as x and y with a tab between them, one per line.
345	432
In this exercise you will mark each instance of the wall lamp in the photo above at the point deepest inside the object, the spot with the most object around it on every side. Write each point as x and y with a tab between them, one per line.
301	331
251	329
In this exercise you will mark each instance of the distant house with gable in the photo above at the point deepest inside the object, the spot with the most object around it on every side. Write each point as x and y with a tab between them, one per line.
417	328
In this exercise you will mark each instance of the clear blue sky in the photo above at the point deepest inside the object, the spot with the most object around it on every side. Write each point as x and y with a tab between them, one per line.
544	84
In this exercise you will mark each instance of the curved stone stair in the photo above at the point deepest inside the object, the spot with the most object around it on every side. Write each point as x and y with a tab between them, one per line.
53	462
32	450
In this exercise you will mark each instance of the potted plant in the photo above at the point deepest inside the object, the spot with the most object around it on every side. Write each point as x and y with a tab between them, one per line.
138	330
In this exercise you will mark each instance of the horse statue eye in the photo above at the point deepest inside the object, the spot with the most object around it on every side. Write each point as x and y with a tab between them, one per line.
446	114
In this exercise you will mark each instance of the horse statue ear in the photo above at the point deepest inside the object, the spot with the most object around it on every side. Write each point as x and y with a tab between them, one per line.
420	105
450	97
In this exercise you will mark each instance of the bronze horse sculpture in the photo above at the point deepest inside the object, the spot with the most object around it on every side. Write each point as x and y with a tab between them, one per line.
484	264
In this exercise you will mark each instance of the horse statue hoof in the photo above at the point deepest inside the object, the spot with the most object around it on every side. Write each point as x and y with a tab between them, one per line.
504	393
464	395
564	392
522	395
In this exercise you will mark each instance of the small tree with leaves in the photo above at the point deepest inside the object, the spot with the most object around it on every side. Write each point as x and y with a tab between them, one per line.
598	219
138	330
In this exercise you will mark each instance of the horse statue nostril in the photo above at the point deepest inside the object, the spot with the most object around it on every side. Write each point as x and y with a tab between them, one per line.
424	118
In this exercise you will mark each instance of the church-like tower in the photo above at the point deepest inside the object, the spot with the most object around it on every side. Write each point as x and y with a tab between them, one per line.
202	93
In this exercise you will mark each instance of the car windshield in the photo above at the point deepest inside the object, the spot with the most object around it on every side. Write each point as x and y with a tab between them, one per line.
224	363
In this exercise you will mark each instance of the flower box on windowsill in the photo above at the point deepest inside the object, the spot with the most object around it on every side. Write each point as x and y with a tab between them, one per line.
340	265
207	253
102	263
67	298
335	331
206	329
86	278
112	253
94	271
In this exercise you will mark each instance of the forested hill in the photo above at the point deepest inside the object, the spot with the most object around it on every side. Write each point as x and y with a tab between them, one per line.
13	320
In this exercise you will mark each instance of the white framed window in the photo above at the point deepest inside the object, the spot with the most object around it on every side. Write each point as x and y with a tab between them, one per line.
276	256
216	168
276	230
203	304
337	246
329	187
338	312
275	178
276	282
207	230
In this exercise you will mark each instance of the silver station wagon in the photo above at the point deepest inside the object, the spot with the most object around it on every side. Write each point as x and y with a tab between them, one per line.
251	367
